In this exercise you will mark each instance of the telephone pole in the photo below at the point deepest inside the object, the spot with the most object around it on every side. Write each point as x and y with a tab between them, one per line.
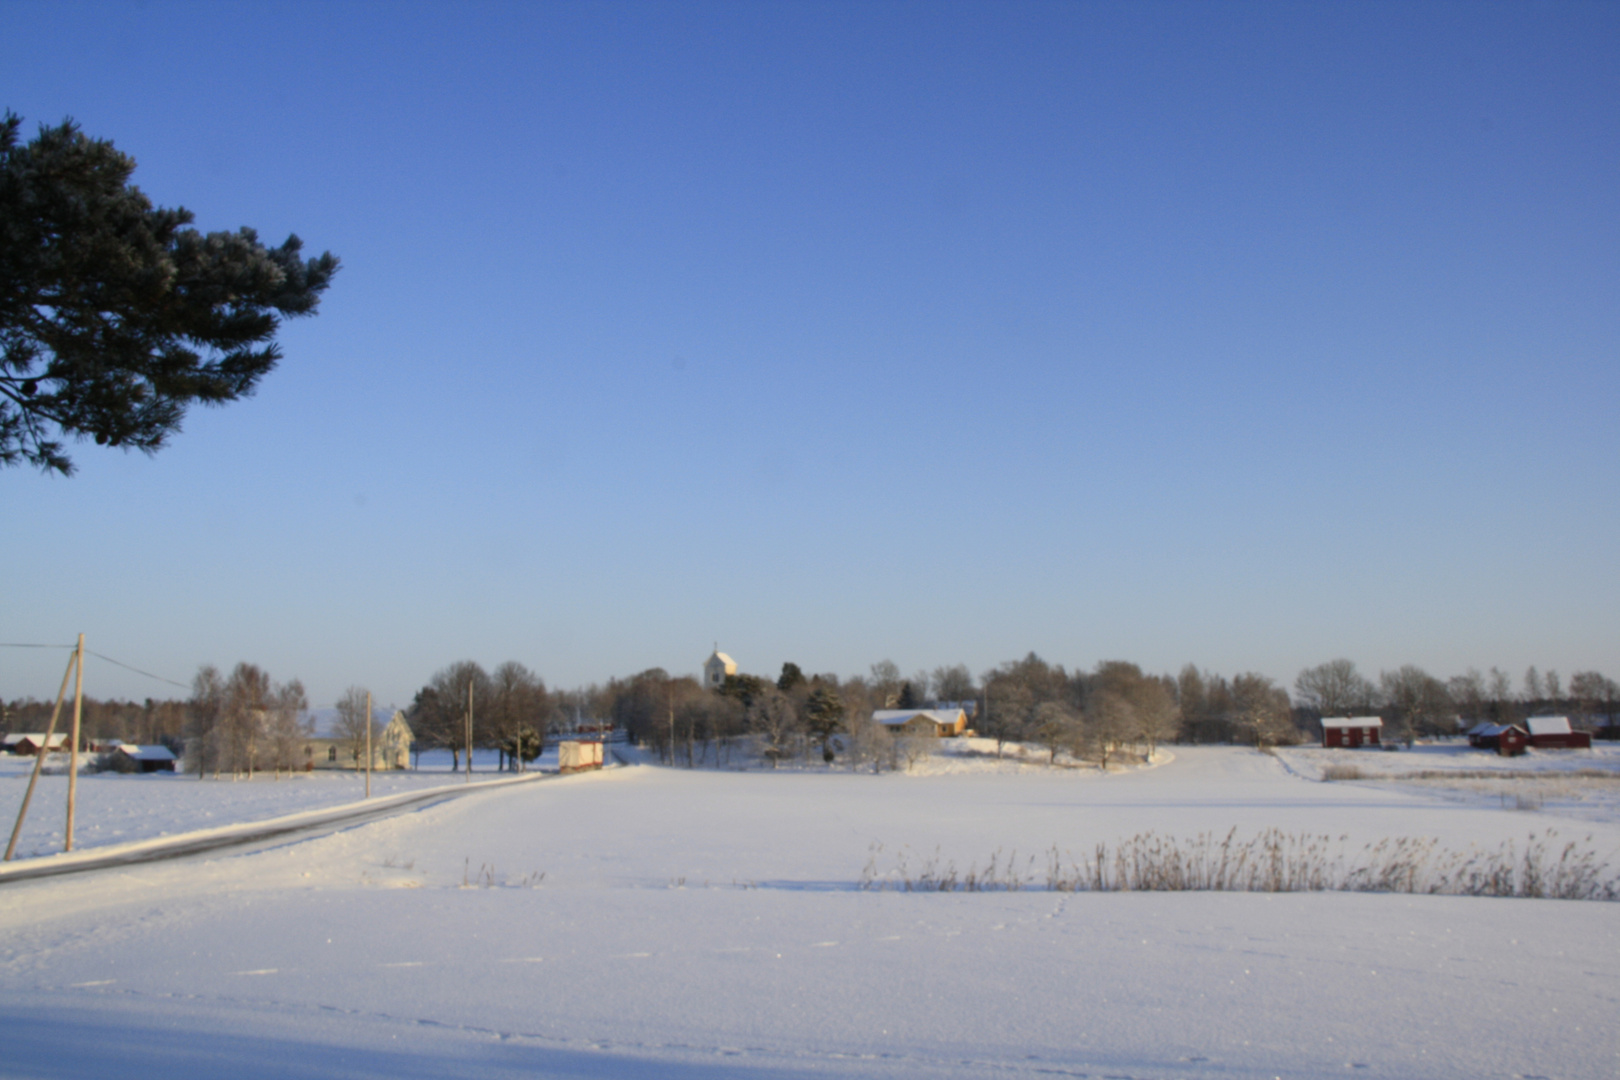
368	744
73	755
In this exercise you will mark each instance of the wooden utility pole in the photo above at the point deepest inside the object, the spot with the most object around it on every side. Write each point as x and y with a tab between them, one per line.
73	755
368	744
469	728
39	761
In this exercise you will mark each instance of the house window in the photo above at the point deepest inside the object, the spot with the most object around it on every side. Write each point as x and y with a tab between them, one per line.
331	753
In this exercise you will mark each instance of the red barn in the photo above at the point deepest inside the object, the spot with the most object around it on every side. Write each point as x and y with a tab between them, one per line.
1554	733
1351	731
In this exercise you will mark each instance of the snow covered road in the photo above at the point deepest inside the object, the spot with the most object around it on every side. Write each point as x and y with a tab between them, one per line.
703	924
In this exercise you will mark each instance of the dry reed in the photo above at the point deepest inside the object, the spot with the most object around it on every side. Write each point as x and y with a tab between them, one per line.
1273	861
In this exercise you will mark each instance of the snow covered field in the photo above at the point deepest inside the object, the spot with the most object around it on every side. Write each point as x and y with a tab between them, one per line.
647	922
1581	785
116	809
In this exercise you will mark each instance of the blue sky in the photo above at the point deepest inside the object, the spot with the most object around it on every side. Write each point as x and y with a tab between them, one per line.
1241	335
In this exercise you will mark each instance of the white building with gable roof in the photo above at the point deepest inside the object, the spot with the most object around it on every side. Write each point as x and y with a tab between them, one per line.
716	668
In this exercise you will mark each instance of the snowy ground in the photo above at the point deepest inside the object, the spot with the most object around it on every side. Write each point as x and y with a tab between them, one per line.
1580	785
115	809
709	924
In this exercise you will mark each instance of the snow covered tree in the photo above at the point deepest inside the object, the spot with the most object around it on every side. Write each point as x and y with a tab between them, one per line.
114	316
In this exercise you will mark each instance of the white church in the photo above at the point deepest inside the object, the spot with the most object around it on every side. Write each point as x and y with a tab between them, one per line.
716	668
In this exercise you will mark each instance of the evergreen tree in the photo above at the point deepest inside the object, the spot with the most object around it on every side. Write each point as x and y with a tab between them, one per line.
791	676
823	717
114	317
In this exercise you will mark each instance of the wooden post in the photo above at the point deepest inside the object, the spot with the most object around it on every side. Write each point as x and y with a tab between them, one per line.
368	744
73	755
469	728
39	761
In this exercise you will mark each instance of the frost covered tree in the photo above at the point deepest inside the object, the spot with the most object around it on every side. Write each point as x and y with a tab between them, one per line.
1260	710
244	715
114	315
290	726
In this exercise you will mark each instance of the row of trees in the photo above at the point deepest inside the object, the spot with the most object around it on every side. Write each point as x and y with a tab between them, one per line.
244	722
1417	703
150	722
508	710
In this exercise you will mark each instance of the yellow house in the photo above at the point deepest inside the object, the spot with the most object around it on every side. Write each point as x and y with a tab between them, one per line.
940	723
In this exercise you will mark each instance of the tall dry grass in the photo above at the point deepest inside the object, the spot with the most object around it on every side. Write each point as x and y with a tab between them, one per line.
1273	861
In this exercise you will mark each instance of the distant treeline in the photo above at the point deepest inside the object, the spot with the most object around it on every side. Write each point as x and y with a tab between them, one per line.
245	721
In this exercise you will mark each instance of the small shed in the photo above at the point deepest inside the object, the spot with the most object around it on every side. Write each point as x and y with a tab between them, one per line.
1509	740
576	756
939	723
148	758
1512	741
1350	732
1554	733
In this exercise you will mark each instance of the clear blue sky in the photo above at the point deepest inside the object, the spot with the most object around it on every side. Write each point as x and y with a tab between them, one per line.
1244	335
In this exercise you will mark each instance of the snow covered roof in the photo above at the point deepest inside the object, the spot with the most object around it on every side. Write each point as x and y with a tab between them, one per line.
897	717
36	737
1352	721
1548	725
147	753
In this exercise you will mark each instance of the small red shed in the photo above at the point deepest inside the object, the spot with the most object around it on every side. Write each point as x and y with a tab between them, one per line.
1351	731
1512	741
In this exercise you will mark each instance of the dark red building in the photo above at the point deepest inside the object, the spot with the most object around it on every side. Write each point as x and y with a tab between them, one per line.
1350	732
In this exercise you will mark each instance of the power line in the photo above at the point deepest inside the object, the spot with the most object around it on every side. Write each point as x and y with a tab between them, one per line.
137	670
14	645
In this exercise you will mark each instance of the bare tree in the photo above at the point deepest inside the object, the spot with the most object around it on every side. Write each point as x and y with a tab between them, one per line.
954	683
290	725
1112	723
1056	728
774	723
1158	717
884	684
1261	711
1417	699
245	715
1335	688
1594	694
1534	690
518	709
1468	693
353	721
438	715
203	720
